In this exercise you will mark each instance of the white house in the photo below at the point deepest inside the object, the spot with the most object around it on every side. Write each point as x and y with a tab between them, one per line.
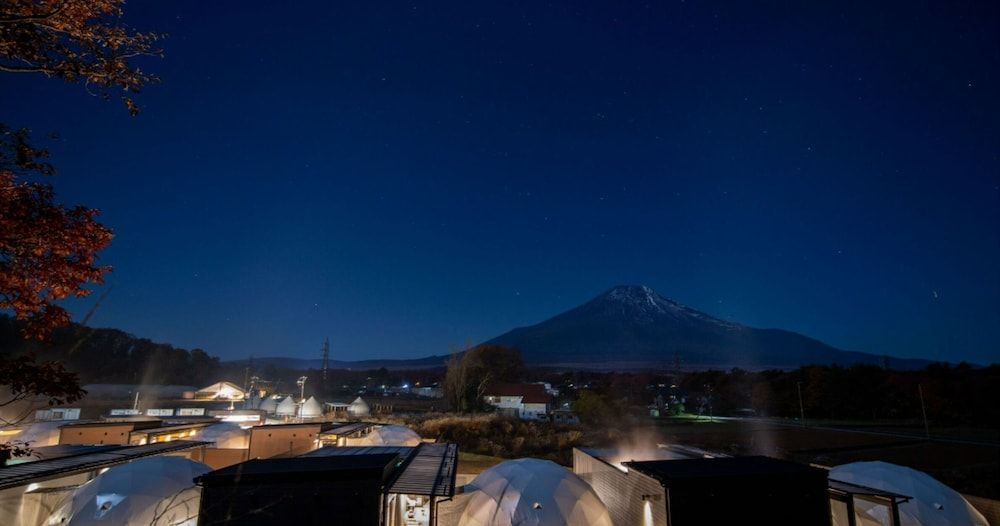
525	401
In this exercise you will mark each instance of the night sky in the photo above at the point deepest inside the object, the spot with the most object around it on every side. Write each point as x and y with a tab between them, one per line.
406	178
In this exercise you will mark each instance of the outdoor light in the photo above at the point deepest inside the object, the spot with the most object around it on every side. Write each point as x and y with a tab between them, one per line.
301	382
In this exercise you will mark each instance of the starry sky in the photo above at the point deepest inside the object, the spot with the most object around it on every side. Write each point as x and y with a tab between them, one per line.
407	178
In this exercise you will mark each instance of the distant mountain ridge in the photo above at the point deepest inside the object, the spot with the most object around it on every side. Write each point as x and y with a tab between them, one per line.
632	324
317	363
634	327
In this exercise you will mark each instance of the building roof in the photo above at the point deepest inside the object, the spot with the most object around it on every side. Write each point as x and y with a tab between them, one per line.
174	427
346	429
668	471
144	423
217	386
305	469
612	455
331	451
529	393
848	488
426	469
430	471
38	471
61	451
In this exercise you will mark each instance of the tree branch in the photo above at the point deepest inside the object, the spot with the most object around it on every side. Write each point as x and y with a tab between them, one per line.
14	19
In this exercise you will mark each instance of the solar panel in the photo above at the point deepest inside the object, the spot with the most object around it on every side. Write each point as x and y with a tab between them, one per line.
27	472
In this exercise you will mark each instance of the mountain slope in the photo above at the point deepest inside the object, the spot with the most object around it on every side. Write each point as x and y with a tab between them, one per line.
635	325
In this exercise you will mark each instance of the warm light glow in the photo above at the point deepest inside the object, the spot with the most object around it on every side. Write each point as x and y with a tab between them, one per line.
647	514
8	432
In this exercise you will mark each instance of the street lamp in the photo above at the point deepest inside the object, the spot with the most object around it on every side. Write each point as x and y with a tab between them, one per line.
302	387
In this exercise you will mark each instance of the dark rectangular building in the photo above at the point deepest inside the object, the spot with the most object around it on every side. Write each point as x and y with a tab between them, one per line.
305	490
738	490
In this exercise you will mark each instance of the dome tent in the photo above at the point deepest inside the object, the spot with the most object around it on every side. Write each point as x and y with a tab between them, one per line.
150	491
270	405
311	408
932	502
359	408
286	407
391	435
532	492
225	435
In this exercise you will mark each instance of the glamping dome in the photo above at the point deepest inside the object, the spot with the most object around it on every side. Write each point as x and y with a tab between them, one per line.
270	405
533	492
286	407
311	408
225	435
359	408
932	504
391	436
36	434
151	491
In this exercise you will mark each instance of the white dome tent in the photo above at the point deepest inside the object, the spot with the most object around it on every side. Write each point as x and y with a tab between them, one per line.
269	405
359	408
311	408
932	503
532	492
391	435
286	407
154	491
225	435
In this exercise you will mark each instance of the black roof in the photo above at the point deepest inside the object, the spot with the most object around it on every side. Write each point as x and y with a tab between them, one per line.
27	472
849	488
63	450
305	469
431	471
727	467
333	451
346	429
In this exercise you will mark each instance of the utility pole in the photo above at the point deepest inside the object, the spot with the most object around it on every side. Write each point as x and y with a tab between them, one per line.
802	411
326	358
923	410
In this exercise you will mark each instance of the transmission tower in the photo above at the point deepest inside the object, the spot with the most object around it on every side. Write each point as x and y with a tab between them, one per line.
326	357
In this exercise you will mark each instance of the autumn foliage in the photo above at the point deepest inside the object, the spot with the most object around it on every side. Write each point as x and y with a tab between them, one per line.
48	252
77	41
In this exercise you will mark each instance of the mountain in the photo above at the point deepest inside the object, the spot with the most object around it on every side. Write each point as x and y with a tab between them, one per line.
633	326
375	363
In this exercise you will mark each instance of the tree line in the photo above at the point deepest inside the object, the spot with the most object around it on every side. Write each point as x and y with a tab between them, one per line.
111	355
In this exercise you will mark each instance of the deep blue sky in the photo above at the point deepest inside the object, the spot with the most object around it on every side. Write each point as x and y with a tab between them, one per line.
409	177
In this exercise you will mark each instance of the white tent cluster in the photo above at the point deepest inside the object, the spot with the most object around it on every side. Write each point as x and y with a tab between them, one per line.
311	408
391	435
286	407
270	404
532	492
155	491
932	503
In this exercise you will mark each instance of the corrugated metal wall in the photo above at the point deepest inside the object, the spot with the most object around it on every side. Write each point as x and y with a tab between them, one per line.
622	492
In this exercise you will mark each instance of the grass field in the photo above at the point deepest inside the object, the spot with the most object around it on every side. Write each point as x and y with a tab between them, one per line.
473	464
